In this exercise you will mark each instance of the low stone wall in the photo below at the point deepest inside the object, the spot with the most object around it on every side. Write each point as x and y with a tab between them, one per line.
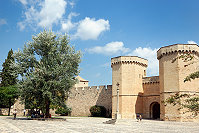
4	111
82	98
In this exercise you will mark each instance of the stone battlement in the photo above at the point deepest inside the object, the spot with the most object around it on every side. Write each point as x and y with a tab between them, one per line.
153	79
129	60
194	48
106	87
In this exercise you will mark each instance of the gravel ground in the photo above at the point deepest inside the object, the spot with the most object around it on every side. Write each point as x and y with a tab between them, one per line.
94	125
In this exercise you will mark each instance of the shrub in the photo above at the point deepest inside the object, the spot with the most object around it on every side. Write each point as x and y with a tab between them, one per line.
63	111
98	111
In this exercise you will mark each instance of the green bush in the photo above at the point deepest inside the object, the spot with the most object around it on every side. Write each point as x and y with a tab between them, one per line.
63	111
98	111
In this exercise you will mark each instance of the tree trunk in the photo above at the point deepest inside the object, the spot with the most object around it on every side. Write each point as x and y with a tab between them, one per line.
9	111
47	115
9	107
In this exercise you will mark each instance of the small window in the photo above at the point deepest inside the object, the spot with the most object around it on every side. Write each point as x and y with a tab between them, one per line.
144	72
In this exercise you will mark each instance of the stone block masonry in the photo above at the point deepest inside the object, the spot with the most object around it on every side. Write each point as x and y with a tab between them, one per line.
82	98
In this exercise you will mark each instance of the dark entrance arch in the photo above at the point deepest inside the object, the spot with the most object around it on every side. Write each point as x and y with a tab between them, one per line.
155	110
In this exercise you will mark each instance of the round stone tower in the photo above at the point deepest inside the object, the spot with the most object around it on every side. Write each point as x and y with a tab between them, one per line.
172	72
127	73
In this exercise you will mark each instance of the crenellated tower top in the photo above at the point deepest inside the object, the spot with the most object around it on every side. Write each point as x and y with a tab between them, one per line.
193	48
129	60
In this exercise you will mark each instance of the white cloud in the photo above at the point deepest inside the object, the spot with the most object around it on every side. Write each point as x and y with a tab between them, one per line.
2	22
68	25
24	2
151	56
71	3
117	48
43	13
89	28
110	49
31	18
21	26
191	42
51	12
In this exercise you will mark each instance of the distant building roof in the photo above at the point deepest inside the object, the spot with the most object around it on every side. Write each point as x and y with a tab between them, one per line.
81	79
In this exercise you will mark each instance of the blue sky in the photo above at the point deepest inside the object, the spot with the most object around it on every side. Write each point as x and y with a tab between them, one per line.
102	29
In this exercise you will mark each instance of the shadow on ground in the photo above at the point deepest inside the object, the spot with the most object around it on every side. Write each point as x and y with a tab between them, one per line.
39	119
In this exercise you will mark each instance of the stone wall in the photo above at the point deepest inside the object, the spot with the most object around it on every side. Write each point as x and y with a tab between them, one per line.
151	89
82	98
4	111
18	106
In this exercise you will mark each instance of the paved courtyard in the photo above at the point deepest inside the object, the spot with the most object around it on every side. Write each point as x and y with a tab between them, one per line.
94	125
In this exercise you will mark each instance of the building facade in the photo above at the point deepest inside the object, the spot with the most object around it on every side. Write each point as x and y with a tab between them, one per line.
132	93
139	94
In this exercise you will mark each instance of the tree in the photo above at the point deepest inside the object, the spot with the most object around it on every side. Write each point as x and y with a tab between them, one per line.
8	96
47	66
8	88
8	76
63	111
187	101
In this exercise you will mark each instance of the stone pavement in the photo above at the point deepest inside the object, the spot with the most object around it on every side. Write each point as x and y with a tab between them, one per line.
94	125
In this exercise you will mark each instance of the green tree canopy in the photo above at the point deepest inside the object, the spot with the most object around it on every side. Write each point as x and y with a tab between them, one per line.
8	96
8	77
47	66
8	89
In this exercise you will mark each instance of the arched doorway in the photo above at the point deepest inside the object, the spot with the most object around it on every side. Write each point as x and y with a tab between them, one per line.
155	110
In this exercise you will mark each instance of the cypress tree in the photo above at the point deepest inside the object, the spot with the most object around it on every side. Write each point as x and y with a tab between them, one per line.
8	89
7	75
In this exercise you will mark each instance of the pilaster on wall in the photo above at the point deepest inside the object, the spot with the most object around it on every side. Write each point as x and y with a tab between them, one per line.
128	72
172	72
